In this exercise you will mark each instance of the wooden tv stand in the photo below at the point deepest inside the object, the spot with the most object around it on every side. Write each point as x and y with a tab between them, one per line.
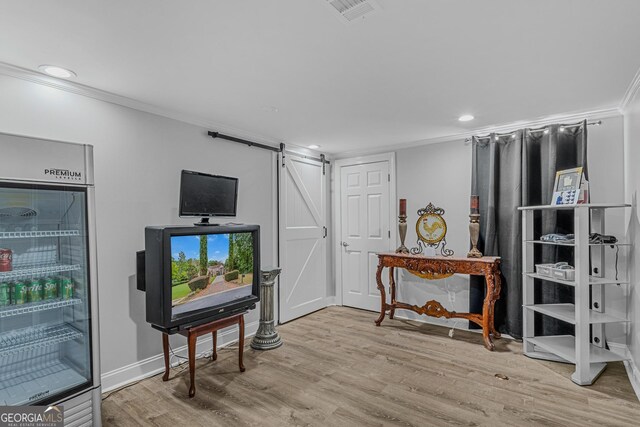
192	335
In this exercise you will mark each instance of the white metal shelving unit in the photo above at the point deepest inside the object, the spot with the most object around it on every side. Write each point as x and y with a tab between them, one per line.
588	349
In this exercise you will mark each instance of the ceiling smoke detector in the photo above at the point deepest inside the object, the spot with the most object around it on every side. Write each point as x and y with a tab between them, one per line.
353	9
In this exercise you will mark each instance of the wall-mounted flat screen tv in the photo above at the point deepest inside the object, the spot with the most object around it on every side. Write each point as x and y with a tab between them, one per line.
198	274
204	195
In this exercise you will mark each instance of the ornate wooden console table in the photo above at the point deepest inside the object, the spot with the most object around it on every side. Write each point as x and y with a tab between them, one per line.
489	267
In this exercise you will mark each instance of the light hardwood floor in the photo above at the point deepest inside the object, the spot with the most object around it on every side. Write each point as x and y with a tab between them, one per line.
337	369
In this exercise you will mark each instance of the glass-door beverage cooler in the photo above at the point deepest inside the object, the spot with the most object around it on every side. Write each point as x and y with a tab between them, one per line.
48	290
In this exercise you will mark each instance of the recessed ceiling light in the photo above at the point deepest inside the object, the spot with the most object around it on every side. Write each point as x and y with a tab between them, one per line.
59	72
466	118
314	146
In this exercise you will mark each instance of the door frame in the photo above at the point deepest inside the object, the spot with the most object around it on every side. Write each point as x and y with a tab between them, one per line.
336	215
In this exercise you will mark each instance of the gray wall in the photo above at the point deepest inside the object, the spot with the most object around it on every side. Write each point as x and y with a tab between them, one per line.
138	158
632	190
441	174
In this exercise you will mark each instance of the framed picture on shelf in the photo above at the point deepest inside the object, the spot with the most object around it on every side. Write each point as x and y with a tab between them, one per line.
567	187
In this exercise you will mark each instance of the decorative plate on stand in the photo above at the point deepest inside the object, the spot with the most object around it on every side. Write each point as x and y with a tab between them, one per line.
431	229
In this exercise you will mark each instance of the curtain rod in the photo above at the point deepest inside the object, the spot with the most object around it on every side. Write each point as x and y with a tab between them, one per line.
542	129
280	149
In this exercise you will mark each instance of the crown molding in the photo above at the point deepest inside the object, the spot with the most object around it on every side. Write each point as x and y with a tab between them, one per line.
597	114
632	91
101	95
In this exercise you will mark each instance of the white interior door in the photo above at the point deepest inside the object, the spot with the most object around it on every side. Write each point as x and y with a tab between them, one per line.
365	230
303	255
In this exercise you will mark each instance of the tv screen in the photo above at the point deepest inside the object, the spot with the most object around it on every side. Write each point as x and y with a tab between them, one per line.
210	270
207	195
199	274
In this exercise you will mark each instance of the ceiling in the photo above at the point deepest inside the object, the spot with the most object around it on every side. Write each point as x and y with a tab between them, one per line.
295	71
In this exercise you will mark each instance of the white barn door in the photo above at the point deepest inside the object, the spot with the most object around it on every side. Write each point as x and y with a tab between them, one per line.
303	255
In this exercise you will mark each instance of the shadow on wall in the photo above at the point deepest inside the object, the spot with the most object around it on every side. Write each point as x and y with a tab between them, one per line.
633	264
148	343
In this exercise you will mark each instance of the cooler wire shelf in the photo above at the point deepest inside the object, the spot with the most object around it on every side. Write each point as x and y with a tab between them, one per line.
16	310
40	378
36	338
36	234
39	271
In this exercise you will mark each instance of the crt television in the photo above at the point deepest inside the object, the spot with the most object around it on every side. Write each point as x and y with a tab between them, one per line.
198	274
204	195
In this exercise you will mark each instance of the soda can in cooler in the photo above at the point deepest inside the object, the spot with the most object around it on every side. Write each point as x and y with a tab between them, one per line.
6	257
5	294
34	290
50	286
66	288
19	295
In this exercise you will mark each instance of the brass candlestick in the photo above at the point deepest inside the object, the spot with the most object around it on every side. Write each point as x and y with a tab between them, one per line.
474	231
402	229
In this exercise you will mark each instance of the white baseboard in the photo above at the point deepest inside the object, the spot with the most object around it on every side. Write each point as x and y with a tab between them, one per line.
462	324
153	365
332	300
629	364
634	375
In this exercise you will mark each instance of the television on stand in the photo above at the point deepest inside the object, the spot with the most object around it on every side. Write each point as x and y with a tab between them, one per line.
203	195
194	275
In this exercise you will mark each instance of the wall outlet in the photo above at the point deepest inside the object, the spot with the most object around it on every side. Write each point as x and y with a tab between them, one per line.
452	297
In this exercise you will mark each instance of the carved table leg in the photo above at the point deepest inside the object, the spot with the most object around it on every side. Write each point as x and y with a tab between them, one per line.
240	342
487	315
392	285
495	297
165	348
383	295
192	362
214	354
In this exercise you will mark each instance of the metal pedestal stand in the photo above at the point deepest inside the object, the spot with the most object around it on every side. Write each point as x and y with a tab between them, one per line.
267	337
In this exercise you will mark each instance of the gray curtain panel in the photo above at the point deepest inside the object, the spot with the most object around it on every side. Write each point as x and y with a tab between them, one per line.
513	170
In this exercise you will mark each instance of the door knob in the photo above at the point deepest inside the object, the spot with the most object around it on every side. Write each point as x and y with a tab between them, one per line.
345	244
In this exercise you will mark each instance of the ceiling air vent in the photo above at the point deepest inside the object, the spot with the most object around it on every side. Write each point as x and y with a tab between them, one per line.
353	9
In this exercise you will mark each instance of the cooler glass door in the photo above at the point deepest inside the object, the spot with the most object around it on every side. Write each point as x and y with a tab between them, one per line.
45	323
